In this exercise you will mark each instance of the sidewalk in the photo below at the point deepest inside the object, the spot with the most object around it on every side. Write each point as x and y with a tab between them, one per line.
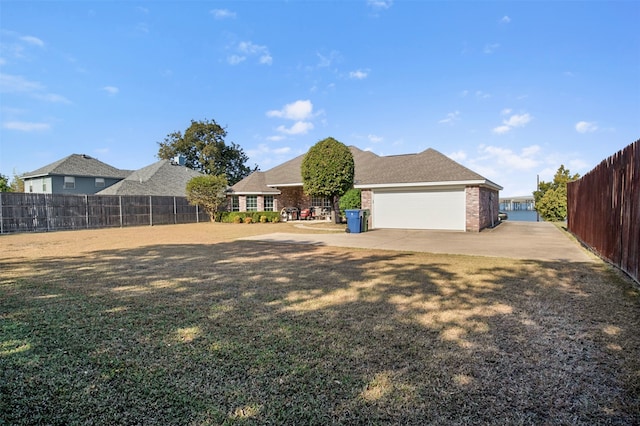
517	240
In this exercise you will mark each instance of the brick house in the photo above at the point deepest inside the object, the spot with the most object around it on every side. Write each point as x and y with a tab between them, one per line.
427	190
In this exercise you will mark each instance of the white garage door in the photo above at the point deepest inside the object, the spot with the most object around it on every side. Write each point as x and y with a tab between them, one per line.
419	209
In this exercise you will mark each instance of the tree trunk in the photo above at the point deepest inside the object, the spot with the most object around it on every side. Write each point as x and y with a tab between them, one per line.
336	209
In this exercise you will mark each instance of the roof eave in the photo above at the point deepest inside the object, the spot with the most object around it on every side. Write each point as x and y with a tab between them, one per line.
459	183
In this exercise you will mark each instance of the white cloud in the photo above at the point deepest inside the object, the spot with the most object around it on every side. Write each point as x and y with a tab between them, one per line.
18	84
51	97
458	155
235	59
358	75
223	14
525	160
586	127
275	138
380	4
246	49
516	120
298	128
24	126
505	111
15	83
111	90
298	110
266	59
482	95
325	61
505	19
32	40
501	129
451	118
375	139
490	48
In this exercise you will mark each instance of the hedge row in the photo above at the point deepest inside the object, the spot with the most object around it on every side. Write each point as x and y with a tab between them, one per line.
247	217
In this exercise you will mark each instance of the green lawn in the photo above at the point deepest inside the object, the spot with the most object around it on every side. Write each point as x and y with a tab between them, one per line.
236	332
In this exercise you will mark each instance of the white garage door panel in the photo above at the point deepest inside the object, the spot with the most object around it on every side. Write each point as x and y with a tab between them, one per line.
434	209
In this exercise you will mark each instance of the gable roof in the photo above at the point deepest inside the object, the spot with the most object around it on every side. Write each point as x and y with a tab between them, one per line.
255	183
78	165
160	178
428	167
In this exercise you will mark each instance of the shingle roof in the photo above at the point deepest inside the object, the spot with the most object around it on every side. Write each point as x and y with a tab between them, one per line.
429	166
160	178
79	165
253	184
425	167
289	173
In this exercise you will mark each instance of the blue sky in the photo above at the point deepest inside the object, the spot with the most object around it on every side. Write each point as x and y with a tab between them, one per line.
509	89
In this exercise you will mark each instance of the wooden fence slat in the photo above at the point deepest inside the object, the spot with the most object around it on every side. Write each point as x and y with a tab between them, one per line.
604	209
28	212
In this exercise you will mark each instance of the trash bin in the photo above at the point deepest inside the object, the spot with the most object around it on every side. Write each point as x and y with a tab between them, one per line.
365	220
354	219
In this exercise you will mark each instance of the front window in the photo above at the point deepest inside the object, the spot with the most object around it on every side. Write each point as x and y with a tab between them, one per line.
235	203
252	203
99	182
320	201
69	182
268	203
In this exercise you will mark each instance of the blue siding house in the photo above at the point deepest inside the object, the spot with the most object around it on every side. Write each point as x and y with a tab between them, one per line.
75	174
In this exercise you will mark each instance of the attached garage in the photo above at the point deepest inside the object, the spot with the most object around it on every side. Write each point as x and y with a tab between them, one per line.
419	208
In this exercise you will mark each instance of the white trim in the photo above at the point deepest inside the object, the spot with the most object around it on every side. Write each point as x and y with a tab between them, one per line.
445	184
253	193
276	185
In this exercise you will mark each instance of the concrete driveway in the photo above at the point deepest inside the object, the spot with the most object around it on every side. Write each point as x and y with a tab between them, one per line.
517	240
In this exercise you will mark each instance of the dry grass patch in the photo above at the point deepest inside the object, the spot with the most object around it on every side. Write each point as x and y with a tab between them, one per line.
184	325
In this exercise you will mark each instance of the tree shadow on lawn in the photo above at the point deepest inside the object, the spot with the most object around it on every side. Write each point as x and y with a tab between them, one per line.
248	332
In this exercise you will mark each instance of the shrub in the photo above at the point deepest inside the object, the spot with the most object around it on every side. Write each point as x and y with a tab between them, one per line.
263	219
248	219
237	219
352	199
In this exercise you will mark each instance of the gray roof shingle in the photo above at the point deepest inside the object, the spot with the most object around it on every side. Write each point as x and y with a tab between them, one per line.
429	166
78	165
160	178
253	184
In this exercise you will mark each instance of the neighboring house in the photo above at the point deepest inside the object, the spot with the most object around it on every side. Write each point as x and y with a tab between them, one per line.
82	174
163	178
75	174
427	190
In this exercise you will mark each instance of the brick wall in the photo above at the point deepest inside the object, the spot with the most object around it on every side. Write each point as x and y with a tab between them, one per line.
482	208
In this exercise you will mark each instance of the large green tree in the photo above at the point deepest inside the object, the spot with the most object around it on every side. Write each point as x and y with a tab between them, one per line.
327	171
208	191
204	149
551	197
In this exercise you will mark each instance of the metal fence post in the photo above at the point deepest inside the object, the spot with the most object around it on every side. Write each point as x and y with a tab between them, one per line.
150	211
175	211
1	218
120	202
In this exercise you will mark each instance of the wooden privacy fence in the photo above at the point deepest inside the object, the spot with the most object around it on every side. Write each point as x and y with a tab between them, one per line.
26	212
603	209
